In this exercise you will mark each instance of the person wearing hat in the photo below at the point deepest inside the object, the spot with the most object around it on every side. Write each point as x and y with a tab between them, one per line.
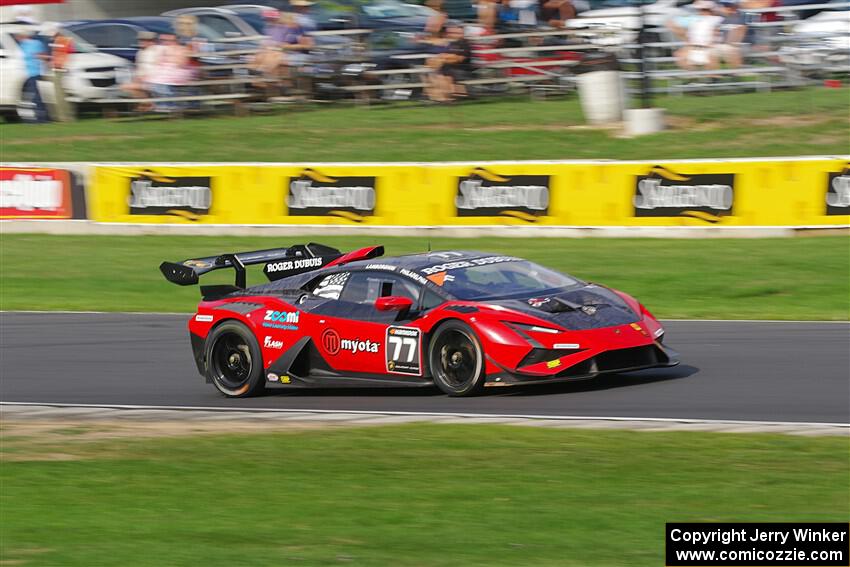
35	55
302	14
702	36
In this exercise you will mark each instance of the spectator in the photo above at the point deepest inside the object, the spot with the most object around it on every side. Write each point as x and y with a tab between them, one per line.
555	13
702	35
35	54
734	31
488	15
302	15
450	67
171	71
61	48
147	60
508	15
435	26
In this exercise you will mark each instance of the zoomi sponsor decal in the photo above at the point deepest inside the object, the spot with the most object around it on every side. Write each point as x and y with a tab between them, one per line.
838	192
666	193
484	193
154	194
315	194
287	320
35	193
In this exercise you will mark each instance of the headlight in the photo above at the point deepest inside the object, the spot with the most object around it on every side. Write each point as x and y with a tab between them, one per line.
533	328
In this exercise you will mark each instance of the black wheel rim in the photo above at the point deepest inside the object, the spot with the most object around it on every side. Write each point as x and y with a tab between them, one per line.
456	358
231	361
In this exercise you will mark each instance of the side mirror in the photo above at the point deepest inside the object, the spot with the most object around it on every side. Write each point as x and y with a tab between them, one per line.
394	303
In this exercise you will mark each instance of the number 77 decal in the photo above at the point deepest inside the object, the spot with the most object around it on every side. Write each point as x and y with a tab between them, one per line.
404	350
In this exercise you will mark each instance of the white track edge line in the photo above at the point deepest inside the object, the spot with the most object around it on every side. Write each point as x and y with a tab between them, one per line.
189	313
437	414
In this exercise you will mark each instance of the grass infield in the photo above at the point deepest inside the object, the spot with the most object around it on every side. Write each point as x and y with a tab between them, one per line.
792	278
783	123
415	495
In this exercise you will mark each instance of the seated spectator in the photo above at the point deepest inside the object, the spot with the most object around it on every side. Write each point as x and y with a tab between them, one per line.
702	36
508	16
450	67
285	51
435	26
488	15
171	71
555	13
734	32
302	14
147	59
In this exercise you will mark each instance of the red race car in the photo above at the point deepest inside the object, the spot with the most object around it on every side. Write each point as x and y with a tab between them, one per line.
459	320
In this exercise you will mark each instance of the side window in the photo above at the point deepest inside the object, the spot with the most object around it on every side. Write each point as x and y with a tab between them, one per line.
96	35
366	287
431	300
124	36
220	24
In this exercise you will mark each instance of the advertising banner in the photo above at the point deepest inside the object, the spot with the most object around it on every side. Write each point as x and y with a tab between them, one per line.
36	193
786	192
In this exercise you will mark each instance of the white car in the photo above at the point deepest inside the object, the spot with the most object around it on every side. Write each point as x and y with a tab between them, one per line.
90	74
620	23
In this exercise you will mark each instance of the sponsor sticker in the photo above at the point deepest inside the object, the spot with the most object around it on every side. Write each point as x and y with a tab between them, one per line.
271	342
484	193
313	193
204	318
666	193
35	193
404	350
448	266
553	363
296	265
287	320
272	377
333	344
331	286
186	197
838	192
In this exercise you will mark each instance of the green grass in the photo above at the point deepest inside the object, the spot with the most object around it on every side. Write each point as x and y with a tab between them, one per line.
807	121
418	495
792	278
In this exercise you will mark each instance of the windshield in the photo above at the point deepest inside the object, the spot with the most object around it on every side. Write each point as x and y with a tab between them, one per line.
508	279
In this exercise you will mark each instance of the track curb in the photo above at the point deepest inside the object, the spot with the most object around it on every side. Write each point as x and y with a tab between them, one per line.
99	412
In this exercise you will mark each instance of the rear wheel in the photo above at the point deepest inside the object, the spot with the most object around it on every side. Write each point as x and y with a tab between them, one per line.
234	360
457	359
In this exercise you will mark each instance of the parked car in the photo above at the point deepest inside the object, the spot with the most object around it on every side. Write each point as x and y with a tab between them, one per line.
617	22
120	36
90	73
231	25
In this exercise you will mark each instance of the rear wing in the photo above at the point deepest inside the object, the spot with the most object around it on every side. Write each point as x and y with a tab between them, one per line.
279	262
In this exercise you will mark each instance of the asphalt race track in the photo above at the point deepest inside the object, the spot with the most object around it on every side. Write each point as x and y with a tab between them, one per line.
757	371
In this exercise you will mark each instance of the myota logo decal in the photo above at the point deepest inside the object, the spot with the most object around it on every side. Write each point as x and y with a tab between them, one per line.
331	342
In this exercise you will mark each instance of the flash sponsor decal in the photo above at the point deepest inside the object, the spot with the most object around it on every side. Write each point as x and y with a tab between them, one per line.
270	342
185	197
838	192
287	320
315	194
666	193
486	193
404	350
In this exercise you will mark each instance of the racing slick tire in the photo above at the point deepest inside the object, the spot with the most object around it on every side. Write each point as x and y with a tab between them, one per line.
234	360
456	359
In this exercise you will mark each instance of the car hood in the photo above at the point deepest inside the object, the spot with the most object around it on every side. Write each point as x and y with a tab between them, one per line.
588	307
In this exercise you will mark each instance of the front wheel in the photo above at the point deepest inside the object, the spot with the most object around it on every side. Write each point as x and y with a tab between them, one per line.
457	359
234	360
